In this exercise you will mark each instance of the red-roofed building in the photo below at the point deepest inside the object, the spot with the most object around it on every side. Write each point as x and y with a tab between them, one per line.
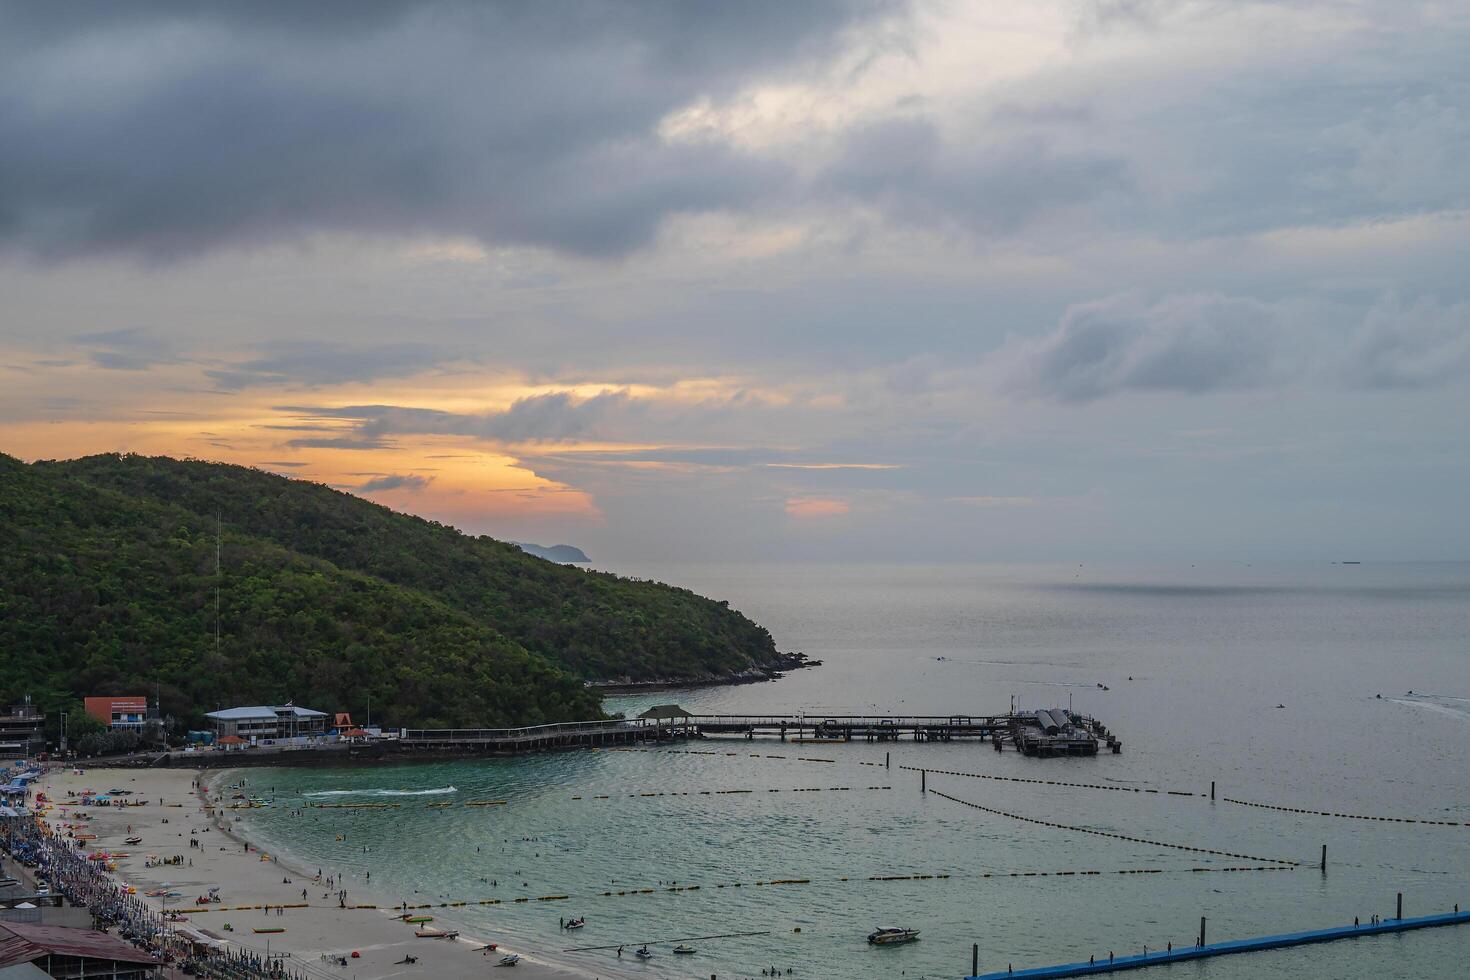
118	712
65	953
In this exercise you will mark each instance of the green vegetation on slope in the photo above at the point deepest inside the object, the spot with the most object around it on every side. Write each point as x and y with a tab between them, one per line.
107	585
599	626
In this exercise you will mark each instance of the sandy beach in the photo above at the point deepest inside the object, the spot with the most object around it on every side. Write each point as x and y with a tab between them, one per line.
248	880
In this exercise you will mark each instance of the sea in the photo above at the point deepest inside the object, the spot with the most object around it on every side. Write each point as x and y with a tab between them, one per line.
1340	688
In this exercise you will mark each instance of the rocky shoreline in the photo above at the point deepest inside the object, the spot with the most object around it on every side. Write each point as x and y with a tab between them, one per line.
785	663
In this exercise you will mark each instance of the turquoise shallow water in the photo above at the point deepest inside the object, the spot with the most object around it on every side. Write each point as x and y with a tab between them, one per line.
1211	653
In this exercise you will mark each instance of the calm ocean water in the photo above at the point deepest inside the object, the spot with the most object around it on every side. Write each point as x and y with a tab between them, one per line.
1197	661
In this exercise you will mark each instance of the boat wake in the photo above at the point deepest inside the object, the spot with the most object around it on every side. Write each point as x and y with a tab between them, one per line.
441	791
1436	704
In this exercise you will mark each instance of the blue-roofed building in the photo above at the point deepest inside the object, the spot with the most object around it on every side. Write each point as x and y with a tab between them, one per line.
268	721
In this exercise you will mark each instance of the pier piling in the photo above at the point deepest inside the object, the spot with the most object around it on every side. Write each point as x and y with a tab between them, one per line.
923	782
1324	858
1400	915
1212	791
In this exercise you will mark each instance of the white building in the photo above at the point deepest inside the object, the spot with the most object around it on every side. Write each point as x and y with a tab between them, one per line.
268	721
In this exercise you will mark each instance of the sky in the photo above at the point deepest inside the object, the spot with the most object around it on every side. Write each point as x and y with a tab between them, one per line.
680	281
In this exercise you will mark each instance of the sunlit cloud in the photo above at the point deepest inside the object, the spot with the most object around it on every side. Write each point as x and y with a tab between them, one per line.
816	507
833	466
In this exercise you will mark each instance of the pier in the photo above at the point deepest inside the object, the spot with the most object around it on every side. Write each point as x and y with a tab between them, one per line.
1139	961
1035	733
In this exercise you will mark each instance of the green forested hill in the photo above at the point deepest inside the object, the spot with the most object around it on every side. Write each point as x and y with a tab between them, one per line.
107	586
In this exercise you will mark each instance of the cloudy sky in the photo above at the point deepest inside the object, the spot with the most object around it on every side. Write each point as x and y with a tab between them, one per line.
1053	279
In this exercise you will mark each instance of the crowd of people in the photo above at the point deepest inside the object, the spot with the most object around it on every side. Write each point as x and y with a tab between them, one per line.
83	883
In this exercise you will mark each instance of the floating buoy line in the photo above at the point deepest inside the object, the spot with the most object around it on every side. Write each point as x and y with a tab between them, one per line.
1104	833
761	883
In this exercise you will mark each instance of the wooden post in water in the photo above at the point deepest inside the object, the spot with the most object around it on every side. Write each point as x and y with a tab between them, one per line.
923	788
1324	858
974	959
1401	906
1201	930
1212	791
885	761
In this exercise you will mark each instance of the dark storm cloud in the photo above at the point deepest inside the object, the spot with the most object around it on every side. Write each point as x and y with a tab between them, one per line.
129	349
395	481
904	167
1190	344
317	363
165	128
554	417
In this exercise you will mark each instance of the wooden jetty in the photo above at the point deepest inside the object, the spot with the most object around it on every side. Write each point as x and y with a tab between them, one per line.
1033	733
1158	957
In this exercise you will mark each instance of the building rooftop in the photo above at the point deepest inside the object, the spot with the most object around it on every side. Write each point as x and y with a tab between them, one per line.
122	699
262	711
22	943
662	711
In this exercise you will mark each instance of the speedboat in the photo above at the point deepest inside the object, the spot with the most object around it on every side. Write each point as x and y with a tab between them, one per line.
644	954
684	949
891	935
576	923
135	841
510	959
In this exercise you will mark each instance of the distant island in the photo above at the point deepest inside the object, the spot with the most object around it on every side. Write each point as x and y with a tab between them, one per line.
108	584
563	553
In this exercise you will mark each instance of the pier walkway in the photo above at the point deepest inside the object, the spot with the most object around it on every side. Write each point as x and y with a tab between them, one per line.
1156	958
1021	730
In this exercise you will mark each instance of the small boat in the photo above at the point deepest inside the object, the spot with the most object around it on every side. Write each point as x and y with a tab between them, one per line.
268	930
890	936
510	959
575	923
644	954
418	920
135	841
684	949
435	934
